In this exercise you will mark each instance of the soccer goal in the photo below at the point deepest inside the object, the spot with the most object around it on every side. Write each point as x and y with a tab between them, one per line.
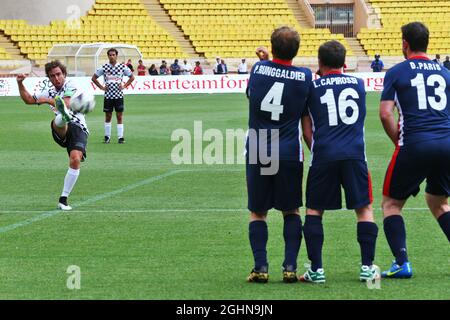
83	59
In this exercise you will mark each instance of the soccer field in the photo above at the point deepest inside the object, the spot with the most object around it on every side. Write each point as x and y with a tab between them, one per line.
144	228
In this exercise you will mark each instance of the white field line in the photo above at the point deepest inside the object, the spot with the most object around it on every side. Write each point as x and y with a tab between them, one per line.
173	210
51	213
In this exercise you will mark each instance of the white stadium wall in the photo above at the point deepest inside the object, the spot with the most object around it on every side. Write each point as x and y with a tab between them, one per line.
43	11
231	83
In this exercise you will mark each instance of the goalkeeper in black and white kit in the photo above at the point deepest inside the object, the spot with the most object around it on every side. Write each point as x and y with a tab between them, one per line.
69	129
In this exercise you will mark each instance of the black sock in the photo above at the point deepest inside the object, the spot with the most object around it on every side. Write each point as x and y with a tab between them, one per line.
444	222
367	238
313	232
292	233
63	200
394	228
258	235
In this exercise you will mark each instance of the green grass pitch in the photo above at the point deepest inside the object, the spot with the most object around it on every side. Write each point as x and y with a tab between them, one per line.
144	228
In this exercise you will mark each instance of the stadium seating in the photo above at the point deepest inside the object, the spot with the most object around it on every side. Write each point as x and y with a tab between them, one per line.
234	28
116	21
4	55
387	40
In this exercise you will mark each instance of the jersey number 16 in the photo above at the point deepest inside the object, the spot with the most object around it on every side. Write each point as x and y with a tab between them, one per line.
343	104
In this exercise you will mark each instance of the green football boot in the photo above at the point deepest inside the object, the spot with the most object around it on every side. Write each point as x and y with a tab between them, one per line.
369	273
317	276
61	106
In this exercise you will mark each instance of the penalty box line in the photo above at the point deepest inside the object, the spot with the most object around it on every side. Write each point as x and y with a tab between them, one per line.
52	213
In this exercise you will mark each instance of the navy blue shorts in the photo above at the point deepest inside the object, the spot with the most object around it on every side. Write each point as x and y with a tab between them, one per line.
411	165
323	187
282	191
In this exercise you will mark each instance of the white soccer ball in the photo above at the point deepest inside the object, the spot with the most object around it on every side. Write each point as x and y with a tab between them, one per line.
82	102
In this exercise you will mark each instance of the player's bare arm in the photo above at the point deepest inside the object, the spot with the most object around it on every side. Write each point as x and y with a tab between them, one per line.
130	81
98	84
24	94
388	119
27	97
307	130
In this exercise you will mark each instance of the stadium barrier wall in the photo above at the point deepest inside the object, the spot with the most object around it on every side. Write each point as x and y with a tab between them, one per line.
231	83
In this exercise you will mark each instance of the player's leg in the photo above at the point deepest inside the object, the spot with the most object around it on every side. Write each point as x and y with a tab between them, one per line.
59	127
107	109
259	188
395	231
441	211
119	115
314	238
76	146
108	118
407	170
258	236
59	124
438	186
357	184
323	192
288	199
367	232
71	178
292	234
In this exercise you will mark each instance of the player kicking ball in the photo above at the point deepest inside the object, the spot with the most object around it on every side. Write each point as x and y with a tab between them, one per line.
420	90
334	132
69	129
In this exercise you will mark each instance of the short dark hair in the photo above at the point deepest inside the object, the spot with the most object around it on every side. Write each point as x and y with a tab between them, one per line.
55	64
285	43
113	50
332	54
417	35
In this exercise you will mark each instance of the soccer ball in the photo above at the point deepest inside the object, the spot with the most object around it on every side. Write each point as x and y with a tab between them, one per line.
82	102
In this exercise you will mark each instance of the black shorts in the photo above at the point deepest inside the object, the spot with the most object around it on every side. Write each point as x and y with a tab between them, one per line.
282	191
411	165
76	139
323	188
110	105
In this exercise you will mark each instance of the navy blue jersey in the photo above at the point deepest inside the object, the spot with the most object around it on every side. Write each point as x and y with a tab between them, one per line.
337	107
277	95
421	91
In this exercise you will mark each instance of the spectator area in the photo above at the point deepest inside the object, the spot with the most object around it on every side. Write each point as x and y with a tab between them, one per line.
234	28
124	21
387	40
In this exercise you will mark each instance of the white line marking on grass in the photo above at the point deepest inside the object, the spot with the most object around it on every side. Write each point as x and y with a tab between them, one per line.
142	211
51	213
243	209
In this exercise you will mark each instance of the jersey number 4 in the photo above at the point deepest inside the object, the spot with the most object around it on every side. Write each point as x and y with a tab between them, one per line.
272	101
343	104
422	98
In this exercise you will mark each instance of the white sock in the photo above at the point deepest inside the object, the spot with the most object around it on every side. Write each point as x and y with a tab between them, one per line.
108	129
69	181
59	121
120	130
